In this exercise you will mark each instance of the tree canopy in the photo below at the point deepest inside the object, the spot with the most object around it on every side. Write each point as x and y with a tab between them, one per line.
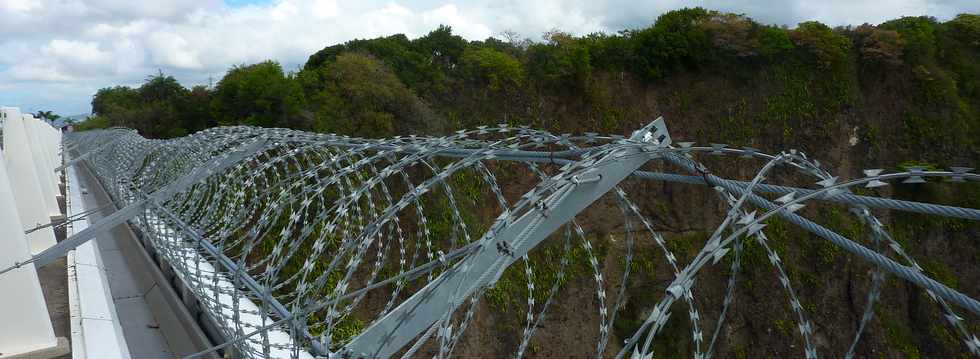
396	85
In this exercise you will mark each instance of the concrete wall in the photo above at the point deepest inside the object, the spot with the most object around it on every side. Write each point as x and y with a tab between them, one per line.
26	329
34	196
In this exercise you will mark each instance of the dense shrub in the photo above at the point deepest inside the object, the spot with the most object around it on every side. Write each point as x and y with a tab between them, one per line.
733	35
560	64
107	98
675	41
259	95
493	69
358	95
826	47
609	52
878	46
774	41
919	34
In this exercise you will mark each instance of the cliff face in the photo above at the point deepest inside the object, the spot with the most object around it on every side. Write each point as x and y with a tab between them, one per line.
851	117
874	127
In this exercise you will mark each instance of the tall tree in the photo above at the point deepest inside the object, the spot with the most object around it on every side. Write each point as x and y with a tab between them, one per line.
260	95
49	116
358	95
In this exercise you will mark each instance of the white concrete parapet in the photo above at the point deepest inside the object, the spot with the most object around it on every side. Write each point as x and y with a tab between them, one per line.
29	192
26	331
42	151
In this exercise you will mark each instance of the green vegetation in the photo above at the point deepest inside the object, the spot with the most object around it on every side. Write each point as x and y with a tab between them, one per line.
898	335
748	80
259	95
47	116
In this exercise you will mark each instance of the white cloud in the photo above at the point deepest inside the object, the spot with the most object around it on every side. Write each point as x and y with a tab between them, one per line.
325	9
19	5
85	52
38	72
56	53
172	50
450	15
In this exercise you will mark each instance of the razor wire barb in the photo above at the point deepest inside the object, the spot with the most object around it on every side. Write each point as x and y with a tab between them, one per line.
320	245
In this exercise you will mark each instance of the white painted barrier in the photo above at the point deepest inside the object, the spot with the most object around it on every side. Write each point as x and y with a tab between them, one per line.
24	181
53	140
26	325
42	161
40	142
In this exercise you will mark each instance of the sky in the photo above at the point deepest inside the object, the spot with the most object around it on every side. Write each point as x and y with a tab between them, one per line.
55	54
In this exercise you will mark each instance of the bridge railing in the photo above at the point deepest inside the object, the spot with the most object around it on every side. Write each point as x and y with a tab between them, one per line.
301	244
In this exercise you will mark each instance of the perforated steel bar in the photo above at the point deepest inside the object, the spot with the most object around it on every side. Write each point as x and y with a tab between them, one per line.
847	198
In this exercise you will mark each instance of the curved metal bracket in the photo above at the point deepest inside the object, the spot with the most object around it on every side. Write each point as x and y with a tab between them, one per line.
513	239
